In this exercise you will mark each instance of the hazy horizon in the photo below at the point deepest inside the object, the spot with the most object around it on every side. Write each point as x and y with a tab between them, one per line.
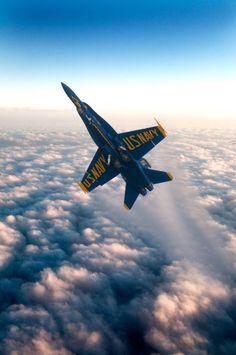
129	60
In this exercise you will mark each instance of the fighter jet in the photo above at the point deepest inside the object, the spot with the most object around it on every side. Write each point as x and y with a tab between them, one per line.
119	153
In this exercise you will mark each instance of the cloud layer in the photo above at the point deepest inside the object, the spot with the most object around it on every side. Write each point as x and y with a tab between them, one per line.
80	275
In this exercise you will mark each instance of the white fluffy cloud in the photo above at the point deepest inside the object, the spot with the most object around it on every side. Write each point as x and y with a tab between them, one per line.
187	294
80	275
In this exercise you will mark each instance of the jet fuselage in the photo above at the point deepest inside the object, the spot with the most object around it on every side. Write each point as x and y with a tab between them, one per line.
119	153
119	157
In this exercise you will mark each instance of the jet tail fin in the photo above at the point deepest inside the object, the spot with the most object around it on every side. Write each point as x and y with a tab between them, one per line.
157	177
130	196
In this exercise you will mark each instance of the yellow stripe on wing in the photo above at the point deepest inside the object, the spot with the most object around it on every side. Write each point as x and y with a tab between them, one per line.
126	207
83	187
159	126
170	175
106	139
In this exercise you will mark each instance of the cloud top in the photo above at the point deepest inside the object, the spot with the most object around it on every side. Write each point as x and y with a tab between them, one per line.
81	276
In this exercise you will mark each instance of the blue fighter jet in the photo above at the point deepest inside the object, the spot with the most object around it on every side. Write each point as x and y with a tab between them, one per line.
119	153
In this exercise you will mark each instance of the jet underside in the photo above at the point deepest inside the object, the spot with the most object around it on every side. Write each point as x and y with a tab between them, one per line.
119	153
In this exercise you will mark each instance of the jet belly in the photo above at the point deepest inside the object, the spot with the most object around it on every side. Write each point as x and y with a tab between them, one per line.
97	133
134	174
119	154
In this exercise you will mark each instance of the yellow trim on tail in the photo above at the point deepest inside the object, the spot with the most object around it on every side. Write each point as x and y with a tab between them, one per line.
126	207
83	187
170	176
161	128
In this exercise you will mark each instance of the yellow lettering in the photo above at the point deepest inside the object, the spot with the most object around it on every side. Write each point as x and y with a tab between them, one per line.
90	178
101	165
147	135
141	138
95	173
102	158
134	140
99	168
124	140
151	134
128	143
86	183
154	130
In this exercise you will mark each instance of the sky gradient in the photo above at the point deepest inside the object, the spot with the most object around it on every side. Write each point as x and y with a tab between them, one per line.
135	59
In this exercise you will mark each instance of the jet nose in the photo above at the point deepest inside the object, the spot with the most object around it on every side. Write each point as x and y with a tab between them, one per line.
66	89
73	97
64	86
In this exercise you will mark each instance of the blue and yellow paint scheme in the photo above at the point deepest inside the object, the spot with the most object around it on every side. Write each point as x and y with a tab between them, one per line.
119	153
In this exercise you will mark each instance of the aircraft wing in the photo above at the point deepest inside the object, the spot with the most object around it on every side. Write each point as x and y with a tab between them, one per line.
141	141
98	173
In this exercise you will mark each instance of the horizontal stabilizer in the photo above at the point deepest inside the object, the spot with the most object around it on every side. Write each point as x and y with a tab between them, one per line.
156	177
130	196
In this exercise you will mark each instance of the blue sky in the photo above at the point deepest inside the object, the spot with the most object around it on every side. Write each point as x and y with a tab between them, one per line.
120	50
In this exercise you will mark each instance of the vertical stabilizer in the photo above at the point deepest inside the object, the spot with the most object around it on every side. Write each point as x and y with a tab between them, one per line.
130	196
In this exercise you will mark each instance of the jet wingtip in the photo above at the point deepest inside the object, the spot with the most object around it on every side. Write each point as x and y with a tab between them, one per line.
163	131
81	185
126	207
170	175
